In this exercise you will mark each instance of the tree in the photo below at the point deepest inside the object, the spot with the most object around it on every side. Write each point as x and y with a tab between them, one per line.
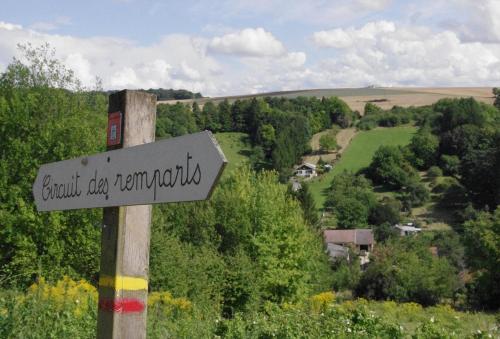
238	116
339	111
424	147
434	172
496	93
197	114
414	194
225	118
405	270
327	142
476	169
352	199
254	223
386	211
482	246
372	109
306	200
457	112
210	117
346	274
450	164
174	120
384	232
464	139
266	136
389	167
45	116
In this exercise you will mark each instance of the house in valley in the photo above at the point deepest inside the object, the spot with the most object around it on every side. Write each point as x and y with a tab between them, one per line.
306	170
359	240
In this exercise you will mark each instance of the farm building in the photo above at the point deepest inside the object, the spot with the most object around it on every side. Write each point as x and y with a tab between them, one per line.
306	170
405	230
360	239
337	251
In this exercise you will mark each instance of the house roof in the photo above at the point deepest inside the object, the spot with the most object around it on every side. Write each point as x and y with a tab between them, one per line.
408	228
356	236
308	165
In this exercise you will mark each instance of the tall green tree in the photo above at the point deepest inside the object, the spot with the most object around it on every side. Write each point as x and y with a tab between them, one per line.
351	199
424	147
482	246
405	270
45	116
253	217
225	118
390	167
210	117
496	93
306	200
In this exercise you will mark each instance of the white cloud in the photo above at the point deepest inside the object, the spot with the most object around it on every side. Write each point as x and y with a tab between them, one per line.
9	27
175	61
390	54
483	23
345	38
253	42
253	59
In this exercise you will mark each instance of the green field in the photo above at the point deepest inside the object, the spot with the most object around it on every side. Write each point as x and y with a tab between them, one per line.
359	154
236	147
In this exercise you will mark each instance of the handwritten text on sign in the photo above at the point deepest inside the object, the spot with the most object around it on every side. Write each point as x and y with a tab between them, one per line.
178	169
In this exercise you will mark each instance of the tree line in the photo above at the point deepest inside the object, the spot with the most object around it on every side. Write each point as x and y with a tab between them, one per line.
279	128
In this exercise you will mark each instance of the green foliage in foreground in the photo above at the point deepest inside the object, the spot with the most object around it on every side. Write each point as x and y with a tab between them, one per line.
238	250
405	270
40	124
482	240
68	309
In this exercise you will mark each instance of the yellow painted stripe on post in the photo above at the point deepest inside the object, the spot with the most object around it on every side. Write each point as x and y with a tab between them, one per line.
120	282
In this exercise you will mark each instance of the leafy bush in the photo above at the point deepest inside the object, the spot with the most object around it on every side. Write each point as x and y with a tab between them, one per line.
351	198
434	172
450	164
389	167
45	116
414	194
405	270
243	248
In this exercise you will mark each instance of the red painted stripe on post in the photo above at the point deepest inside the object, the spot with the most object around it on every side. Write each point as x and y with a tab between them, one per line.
121	305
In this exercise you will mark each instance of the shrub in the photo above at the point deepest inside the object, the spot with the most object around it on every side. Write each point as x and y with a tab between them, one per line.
450	164
434	172
320	302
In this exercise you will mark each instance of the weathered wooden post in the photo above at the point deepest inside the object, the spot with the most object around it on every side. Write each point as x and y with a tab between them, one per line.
125	182
123	279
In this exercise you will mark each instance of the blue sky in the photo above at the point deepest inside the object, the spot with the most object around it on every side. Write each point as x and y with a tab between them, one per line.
247	46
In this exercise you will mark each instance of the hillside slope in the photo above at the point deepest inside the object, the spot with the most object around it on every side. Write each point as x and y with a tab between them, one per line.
386	98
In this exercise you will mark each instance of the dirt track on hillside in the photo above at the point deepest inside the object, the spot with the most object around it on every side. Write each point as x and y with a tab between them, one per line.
344	137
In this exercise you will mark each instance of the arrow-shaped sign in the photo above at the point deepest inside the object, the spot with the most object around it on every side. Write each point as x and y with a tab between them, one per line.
185	168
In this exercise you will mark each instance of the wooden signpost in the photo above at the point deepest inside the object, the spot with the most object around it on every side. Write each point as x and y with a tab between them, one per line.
125	182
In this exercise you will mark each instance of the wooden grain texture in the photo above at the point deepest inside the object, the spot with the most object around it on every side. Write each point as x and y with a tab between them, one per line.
126	230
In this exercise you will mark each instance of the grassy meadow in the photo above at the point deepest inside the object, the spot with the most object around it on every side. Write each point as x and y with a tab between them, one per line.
236	147
359	154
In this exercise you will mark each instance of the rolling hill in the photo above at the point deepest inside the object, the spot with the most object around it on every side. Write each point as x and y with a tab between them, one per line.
356	98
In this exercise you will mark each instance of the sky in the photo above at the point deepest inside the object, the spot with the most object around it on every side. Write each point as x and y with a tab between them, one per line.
232	47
